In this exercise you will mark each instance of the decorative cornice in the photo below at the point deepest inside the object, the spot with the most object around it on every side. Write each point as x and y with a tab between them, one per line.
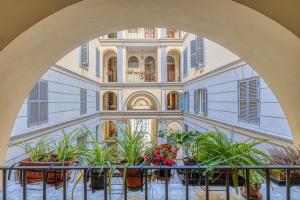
32	134
227	67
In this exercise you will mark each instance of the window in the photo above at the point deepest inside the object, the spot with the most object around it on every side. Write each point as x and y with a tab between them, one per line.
197	52
193	54
249	101
185	69
149	32
83	101
37	103
186	128
133	30
186	101
97	101
133	62
200	52
97	62
200	101
84	55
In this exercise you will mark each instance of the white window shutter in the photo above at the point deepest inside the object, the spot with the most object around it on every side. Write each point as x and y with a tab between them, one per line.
249	101
84	55
193	54
199	52
253	104
204	102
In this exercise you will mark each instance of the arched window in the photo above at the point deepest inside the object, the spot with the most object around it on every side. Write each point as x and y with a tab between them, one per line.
171	69
149	69
133	62
173	101
141	104
110	101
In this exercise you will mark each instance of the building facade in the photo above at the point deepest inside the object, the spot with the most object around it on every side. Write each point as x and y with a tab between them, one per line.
159	79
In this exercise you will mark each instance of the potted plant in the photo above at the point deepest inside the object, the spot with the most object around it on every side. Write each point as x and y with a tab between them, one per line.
131	148
64	153
284	155
189	141
96	155
163	154
219	149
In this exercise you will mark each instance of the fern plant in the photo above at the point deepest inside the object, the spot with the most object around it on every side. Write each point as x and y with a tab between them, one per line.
219	149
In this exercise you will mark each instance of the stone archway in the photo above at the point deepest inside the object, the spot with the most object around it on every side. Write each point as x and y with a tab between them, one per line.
271	49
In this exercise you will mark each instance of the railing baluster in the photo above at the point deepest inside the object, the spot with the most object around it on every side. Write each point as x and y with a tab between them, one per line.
85	174
4	184
166	185
186	185
146	185
105	184
24	181
64	184
44	185
206	187
142	179
288	184
247	185
227	184
268	194
125	187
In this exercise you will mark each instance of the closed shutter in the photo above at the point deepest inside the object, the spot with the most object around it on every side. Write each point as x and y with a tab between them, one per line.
83	101
204	102
253	102
243	101
185	62
193	54
97	62
97	101
84	55
199	52
181	101
249	101
195	101
186	102
37	104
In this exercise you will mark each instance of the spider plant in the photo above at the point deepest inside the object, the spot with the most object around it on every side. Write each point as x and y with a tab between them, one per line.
218	149
131	145
97	155
40	151
66	148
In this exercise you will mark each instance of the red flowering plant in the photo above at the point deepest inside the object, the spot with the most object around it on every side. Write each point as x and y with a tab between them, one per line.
163	154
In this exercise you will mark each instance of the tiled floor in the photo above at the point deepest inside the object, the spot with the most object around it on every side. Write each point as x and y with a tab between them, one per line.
156	191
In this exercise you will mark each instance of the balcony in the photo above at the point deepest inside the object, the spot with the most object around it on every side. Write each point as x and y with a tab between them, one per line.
153	186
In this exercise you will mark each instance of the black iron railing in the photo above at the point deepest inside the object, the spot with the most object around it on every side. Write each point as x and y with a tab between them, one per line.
144	175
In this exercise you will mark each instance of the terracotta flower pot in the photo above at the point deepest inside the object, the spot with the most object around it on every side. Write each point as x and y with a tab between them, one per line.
254	192
133	178
54	177
97	180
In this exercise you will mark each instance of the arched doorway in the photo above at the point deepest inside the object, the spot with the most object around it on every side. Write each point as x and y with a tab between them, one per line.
173	66
110	66
173	101
150	69
143	102
109	131
110	101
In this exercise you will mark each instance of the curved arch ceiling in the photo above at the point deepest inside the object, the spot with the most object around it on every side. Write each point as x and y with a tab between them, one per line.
23	14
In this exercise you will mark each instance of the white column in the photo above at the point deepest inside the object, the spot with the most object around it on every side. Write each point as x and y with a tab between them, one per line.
120	101
163	64
120	64
124	74
158	67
